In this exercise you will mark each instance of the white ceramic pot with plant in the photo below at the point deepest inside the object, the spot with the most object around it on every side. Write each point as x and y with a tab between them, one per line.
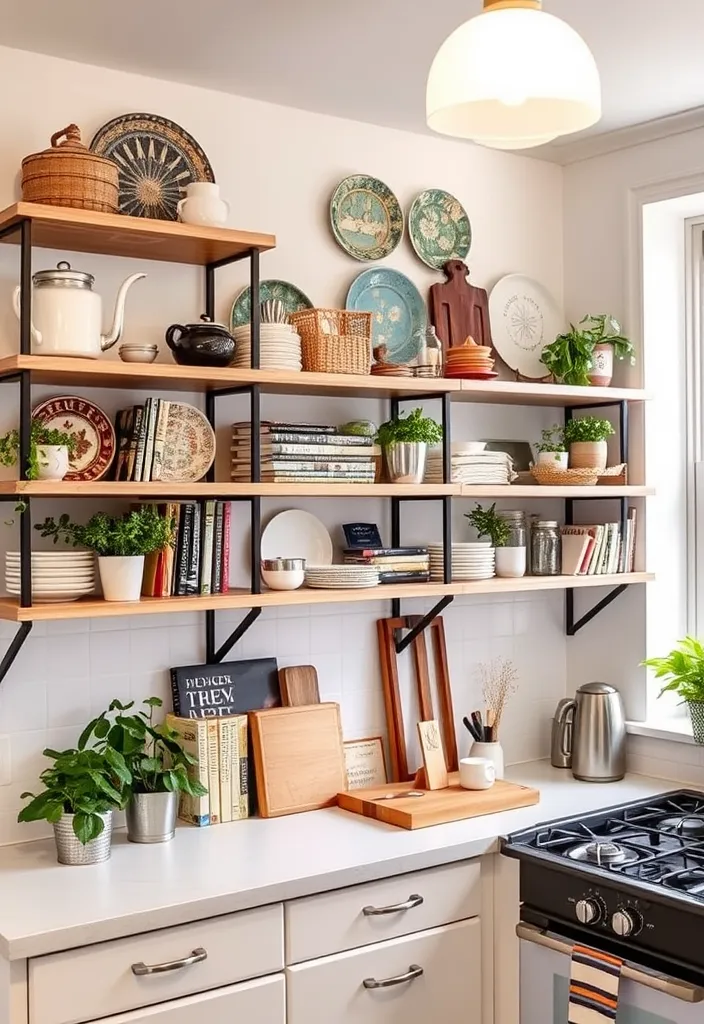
120	542
682	671
510	560
551	450
580	356
405	442
586	440
49	453
52	461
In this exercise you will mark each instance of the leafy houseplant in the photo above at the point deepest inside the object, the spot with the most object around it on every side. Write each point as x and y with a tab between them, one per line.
121	542
586	438
551	448
488	523
42	465
405	442
683	670
584	355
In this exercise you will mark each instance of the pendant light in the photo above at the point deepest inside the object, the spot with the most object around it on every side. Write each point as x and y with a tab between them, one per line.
512	78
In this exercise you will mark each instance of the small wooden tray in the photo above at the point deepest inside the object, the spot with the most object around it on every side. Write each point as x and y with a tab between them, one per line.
438	807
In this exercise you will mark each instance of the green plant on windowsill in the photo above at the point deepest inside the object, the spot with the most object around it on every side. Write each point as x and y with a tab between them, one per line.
412	429
587	428
39	435
552	440
683	672
488	523
569	356
136	533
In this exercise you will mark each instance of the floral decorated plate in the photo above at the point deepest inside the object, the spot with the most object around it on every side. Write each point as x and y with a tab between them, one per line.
398	311
189	451
90	426
293	299
366	217
439	228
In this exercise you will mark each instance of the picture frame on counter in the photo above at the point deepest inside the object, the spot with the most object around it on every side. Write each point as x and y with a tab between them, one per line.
365	763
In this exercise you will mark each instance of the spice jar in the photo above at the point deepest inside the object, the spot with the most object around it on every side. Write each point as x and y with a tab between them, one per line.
545	548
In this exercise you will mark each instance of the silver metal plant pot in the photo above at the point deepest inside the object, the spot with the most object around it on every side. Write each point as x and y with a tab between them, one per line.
405	462
69	848
151	817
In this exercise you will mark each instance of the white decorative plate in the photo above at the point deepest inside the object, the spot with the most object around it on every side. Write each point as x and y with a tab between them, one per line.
297	534
524	319
190	445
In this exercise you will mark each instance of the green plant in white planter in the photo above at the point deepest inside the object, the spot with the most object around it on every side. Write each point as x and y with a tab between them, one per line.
585	354
586	439
683	667
551	449
489	523
405	441
49	451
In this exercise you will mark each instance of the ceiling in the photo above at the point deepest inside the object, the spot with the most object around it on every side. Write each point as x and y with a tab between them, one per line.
366	60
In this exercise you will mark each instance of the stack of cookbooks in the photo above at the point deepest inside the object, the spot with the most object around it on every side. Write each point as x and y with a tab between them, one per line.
395	565
198	561
141	433
598	550
303	453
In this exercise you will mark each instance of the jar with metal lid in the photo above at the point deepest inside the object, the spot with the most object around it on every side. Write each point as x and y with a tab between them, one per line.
511	556
545	547
516	522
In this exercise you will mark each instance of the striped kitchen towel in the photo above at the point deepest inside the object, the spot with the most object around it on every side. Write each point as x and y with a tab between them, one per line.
594	982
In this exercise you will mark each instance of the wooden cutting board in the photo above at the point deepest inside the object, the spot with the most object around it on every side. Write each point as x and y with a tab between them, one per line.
438	807
458	309
299	685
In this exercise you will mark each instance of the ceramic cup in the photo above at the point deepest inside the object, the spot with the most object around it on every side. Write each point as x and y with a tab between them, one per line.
477	773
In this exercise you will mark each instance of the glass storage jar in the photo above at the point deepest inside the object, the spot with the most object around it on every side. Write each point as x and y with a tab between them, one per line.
545	548
511	556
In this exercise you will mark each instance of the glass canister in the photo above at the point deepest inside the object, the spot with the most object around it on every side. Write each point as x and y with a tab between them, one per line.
511	556
545	548
516	522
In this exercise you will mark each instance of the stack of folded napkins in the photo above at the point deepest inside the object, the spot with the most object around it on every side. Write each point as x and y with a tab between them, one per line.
471	464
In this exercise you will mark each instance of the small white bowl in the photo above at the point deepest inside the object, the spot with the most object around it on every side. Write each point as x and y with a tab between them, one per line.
138	353
283	579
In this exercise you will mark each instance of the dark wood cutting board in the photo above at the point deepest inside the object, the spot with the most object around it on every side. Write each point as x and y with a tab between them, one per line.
458	310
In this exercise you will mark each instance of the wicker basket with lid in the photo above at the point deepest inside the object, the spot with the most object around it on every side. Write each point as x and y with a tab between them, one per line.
68	174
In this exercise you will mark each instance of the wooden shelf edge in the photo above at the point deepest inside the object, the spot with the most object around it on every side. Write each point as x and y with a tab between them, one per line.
526	393
537	491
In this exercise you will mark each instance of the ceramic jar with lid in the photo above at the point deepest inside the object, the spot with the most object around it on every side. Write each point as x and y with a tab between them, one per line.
203	344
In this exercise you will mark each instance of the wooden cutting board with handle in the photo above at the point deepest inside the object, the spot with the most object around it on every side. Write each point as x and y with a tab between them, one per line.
299	685
438	807
458	309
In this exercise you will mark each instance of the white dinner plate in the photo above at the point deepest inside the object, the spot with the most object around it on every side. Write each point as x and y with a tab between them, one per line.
524	319
297	534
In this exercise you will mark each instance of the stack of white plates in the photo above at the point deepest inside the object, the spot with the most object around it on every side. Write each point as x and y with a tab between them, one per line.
475	561
341	577
56	575
279	347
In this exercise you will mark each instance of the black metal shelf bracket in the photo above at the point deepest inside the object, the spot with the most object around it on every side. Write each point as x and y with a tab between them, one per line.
573	625
423	622
214	655
15	647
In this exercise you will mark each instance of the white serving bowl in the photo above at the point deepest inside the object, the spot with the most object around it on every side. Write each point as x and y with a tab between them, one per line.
138	353
283	573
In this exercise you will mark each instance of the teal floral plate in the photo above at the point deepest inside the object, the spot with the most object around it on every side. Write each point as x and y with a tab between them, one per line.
293	299
399	314
439	228
366	217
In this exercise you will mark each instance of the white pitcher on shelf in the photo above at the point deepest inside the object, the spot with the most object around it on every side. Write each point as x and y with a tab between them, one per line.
203	205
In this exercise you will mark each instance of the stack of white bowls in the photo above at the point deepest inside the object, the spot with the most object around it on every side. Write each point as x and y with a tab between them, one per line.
472	561
279	347
57	576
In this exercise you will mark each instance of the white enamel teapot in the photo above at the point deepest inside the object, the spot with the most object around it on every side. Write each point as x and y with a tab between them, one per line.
67	315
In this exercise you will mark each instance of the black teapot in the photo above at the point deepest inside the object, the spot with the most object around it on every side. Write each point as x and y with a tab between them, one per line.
203	344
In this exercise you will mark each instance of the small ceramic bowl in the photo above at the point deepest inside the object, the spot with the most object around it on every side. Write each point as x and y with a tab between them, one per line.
283	573
138	353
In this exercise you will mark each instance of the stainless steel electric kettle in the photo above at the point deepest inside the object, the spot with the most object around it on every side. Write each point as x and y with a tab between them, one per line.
591	730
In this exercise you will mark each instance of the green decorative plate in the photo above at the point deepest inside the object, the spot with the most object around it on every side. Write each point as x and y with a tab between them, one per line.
439	228
366	217
293	299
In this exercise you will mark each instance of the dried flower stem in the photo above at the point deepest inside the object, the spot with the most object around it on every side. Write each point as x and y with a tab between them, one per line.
499	682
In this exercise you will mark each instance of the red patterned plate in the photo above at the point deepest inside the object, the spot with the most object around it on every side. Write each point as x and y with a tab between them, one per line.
94	433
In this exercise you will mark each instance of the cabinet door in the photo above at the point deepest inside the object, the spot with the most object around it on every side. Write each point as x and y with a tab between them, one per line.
430	976
262	1001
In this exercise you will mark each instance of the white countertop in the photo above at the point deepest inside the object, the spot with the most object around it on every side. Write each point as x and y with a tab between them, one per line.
45	907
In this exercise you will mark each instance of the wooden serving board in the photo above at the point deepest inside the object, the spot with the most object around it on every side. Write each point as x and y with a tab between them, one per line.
438	807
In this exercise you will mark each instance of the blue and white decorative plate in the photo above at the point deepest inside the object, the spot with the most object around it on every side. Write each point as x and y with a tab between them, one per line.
366	217
399	313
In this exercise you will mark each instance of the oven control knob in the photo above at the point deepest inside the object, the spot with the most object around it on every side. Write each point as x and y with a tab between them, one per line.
625	922
588	911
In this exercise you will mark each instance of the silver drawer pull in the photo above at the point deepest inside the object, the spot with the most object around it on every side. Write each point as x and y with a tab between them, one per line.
396	908
413	972
196	957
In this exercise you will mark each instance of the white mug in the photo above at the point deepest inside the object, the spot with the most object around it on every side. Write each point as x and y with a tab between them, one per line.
477	773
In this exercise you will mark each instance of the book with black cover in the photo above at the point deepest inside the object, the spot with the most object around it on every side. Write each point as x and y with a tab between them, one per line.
217	548
193	575
362	535
183	549
137	417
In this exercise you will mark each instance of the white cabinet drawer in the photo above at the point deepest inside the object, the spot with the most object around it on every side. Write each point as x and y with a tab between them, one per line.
96	981
447	990
334	921
262	1001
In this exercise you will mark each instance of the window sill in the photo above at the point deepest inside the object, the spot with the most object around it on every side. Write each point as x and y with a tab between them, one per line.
676	730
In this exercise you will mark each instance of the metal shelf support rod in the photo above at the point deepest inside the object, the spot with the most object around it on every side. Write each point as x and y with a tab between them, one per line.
15	647
423	623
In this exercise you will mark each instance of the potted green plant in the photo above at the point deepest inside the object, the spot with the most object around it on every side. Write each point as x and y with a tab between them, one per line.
49	451
120	542
684	669
405	441
81	789
510	561
586	439
157	763
585	354
551	449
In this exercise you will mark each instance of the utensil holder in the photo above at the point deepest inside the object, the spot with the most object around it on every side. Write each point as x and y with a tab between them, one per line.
494	752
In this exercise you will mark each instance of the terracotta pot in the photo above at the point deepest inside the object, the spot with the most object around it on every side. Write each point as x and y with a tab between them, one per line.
602	369
588	455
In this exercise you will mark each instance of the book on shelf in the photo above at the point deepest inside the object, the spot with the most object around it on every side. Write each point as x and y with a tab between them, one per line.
137	417
311	478
213	727
160	439
277	426
399	576
382	552
216	569
207	548
193	573
300	433
599	549
226	525
151	417
193	734
244	451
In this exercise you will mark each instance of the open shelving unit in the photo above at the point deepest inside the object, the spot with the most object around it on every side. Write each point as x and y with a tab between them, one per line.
33	225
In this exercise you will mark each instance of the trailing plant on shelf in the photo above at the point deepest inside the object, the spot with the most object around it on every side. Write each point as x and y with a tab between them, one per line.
683	672
488	523
41	436
412	429
588	429
570	357
552	440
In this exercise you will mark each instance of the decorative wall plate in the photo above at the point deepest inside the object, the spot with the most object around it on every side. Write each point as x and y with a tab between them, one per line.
189	451
292	297
94	433
524	319
439	228
366	217
157	159
399	313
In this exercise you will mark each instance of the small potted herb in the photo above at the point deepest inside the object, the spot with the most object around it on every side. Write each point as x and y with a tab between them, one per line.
510	560
683	670
585	354
405	441
586	438
49	451
551	450
120	542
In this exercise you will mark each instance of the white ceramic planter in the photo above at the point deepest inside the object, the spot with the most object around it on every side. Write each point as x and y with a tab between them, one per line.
52	460
588	455
510	562
558	460
121	577
493	752
203	205
602	368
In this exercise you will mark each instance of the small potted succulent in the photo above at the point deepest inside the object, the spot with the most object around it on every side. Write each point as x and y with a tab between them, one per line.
49	451
551	449
405	442
510	561
683	671
120	542
585	354
586	439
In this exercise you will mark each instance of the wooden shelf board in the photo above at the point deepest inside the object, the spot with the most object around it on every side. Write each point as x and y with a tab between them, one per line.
504	392
110	234
536	491
242	599
113	489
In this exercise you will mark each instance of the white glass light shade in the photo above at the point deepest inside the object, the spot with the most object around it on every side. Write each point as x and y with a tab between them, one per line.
518	76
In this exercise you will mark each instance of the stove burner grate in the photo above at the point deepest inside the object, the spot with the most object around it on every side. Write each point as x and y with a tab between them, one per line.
603	853
689	826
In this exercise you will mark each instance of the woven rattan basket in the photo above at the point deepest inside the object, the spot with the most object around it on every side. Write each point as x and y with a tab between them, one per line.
68	174
334	340
551	477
